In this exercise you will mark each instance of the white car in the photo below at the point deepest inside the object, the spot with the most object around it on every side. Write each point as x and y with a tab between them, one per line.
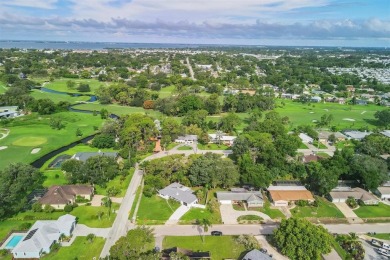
386	246
384	252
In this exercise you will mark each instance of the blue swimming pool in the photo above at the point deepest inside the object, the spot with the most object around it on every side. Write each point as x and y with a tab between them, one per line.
14	241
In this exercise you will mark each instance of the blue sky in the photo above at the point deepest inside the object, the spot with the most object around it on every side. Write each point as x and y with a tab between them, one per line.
259	22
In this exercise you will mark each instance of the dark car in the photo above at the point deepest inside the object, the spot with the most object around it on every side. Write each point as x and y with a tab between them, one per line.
216	233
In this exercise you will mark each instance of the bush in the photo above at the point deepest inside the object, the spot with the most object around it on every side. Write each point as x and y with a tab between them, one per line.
302	203
3	252
103	141
148	191
84	88
68	208
351	202
36	207
28	217
48	209
25	226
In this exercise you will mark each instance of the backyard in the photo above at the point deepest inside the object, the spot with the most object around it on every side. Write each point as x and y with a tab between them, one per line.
382	210
155	210
220	247
81	248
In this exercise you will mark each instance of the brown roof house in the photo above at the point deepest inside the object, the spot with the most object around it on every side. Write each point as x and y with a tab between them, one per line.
342	193
60	196
281	195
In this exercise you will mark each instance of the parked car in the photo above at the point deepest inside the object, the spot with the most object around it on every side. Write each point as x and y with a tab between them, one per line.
384	252
386	246
376	242
263	250
216	233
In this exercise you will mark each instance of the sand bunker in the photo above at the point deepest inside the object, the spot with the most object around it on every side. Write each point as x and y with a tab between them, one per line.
314	121
3	147
326	109
363	112
349	119
311	112
35	150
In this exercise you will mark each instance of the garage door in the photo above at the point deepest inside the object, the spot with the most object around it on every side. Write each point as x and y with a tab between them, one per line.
225	201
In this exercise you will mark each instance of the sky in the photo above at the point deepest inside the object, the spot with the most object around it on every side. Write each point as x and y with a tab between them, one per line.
352	23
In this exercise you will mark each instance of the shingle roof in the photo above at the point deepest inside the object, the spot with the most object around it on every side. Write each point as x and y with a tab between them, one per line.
289	193
179	192
356	193
384	190
256	255
247	196
64	194
84	156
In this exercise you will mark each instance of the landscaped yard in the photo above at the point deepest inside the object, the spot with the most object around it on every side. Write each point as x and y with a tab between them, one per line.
81	248
220	247
119	182
155	210
213	147
303	146
382	210
272	213
118	109
303	114
54	177
325	209
33	131
196	213
184	148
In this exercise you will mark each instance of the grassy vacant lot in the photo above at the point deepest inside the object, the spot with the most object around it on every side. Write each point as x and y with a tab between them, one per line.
60	85
303	114
155	210
382	210
54	177
325	209
213	147
33	131
166	92
80	249
118	109
196	213
37	94
119	182
223	247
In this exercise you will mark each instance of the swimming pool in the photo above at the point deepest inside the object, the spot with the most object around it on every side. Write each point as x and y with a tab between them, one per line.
14	241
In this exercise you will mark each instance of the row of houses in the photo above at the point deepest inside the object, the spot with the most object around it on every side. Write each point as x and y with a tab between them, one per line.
213	138
323	136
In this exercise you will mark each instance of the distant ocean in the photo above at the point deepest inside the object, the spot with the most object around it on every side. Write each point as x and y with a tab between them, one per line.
93	45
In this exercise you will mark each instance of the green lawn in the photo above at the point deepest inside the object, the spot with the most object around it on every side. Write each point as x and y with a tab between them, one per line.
303	114
382	210
38	94
319	145
166	92
272	213
155	210
7	225
196	213
325	209
118	109
81	248
34	127
138	193
223	247
60	85
54	177
303	146
184	148
384	236
213	147
119	182
3	88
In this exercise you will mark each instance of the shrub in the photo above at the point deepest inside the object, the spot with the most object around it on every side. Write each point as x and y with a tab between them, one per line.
25	226
302	203
28	217
351	202
3	252
48	209
84	88
68	208
148	191
36	207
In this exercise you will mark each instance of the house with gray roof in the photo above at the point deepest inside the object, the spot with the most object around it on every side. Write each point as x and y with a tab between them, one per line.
342	193
305	138
179	193
256	254
42	235
84	156
252	198
356	135
186	139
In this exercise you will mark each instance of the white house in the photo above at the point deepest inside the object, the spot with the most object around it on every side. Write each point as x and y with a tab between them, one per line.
384	191
342	193
305	138
356	135
42	235
224	139
9	112
179	193
186	139
252	198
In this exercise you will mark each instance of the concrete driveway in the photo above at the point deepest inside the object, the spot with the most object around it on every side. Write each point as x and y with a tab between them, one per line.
174	218
270	250
230	215
348	213
97	200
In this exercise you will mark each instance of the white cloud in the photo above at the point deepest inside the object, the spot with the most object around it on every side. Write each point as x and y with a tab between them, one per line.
43	4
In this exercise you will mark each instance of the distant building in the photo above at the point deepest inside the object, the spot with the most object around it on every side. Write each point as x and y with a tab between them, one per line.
356	135
341	194
9	112
305	138
361	102
186	139
224	139
315	99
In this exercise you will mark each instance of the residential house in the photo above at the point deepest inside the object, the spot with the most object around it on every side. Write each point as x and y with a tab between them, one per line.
9	112
342	193
323	136
341	101
188	253
316	99
179	193
384	191
361	102
256	254
224	139
356	135
284	192
252	198
60	196
305	138
310	158
187	139
84	156
42	235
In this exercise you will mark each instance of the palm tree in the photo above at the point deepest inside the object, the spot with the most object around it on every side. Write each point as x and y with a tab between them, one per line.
219	135
204	224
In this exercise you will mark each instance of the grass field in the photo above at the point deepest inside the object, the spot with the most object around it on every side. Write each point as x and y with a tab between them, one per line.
382	210
325	209
185	148
384	236
196	213
80	249
54	177
222	247
117	109
118	182
32	130
60	85
155	210
303	114
272	213
2	88
213	147
37	94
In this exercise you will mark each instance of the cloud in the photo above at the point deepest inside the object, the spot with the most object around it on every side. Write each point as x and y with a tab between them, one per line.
43	4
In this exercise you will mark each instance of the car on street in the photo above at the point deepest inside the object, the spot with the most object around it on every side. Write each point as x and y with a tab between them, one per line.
375	242
216	233
383	252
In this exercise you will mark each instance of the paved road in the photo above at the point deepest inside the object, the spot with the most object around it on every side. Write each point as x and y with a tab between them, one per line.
190	69
371	252
119	228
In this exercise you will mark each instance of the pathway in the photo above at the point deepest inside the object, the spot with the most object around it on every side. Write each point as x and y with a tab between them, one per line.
175	217
285	211
82	231
97	200
4	135
190	69
229	214
120	226
348	213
